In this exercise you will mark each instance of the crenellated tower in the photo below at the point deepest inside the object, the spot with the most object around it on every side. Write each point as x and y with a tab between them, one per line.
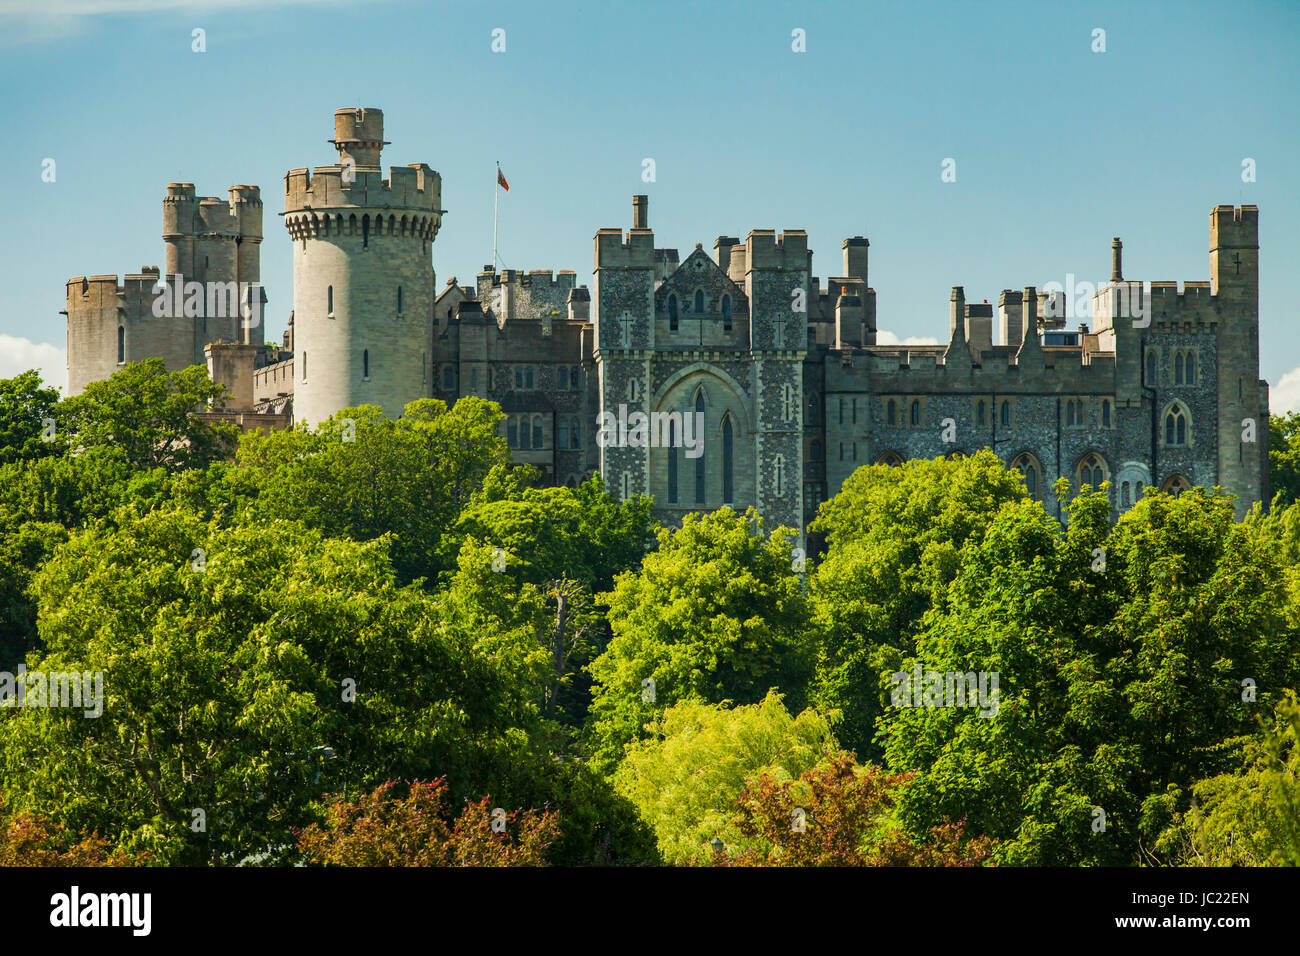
362	274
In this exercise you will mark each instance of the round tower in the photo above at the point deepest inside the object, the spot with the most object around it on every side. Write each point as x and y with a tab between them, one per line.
362	275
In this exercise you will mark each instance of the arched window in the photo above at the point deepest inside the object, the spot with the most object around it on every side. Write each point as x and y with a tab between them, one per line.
365	363
1006	414
980	413
726	313
699	462
528	377
891	458
1069	412
699	302
672	462
1032	471
1176	425
538	440
1176	485
365	232
1191	368
916	412
1105	413
523	431
575	433
1178	369
512	432
121	345
329	294
564	433
891	413
1151	369
728	473
672	313
1091	471
1124	495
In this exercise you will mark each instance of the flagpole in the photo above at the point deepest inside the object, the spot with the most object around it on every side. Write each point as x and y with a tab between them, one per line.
496	200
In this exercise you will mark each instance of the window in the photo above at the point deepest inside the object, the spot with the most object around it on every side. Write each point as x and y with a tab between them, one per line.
523	431
699	462
1178	369
841	451
1031	470
916	413
672	313
891	413
399	300
1175	425
633	389
1006	414
855	411
519	377
121	345
1069	412
1176	485
1151	369
575	379
528	377
726	313
329	295
562	378
538	440
365	232
728	474
1105	413
575	433
1191	368
1091	471
304	366
980	413
563	439
699	302
890	458
672	461
841	411
1125	495
512	432
449	379
365	364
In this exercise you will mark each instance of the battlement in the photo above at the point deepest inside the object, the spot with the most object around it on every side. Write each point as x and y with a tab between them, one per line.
1164	290
1234	227
415	187
635	251
766	251
187	214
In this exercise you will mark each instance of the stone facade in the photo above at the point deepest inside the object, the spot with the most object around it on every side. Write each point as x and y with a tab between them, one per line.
1159	387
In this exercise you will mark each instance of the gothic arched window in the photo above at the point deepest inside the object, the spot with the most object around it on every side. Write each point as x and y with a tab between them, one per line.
916	412
980	414
121	349
1191	368
672	313
1006	414
728	474
699	462
365	363
699	302
1105	413
512	432
1032	471
1178	369
538	440
523	431
1176	485
1092	470
575	433
672	462
891	413
1175	426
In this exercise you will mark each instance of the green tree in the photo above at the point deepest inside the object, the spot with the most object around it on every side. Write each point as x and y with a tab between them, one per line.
1121	654
244	680
685	779
152	416
894	542
362	475
715	613
25	407
1284	457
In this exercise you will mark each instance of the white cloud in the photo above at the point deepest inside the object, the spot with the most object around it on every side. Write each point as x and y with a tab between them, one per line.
889	338
18	355
1285	395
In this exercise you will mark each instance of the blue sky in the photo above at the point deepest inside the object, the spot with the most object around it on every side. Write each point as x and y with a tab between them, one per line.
1057	148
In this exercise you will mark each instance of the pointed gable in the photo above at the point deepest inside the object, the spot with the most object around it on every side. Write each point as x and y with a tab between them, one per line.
697	281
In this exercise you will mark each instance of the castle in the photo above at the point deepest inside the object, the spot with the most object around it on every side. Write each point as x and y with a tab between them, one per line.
1160	387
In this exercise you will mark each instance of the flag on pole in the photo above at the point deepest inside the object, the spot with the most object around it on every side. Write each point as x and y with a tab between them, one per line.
501	180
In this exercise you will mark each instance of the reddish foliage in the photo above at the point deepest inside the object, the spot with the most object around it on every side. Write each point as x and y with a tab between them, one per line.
843	805
33	840
380	830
